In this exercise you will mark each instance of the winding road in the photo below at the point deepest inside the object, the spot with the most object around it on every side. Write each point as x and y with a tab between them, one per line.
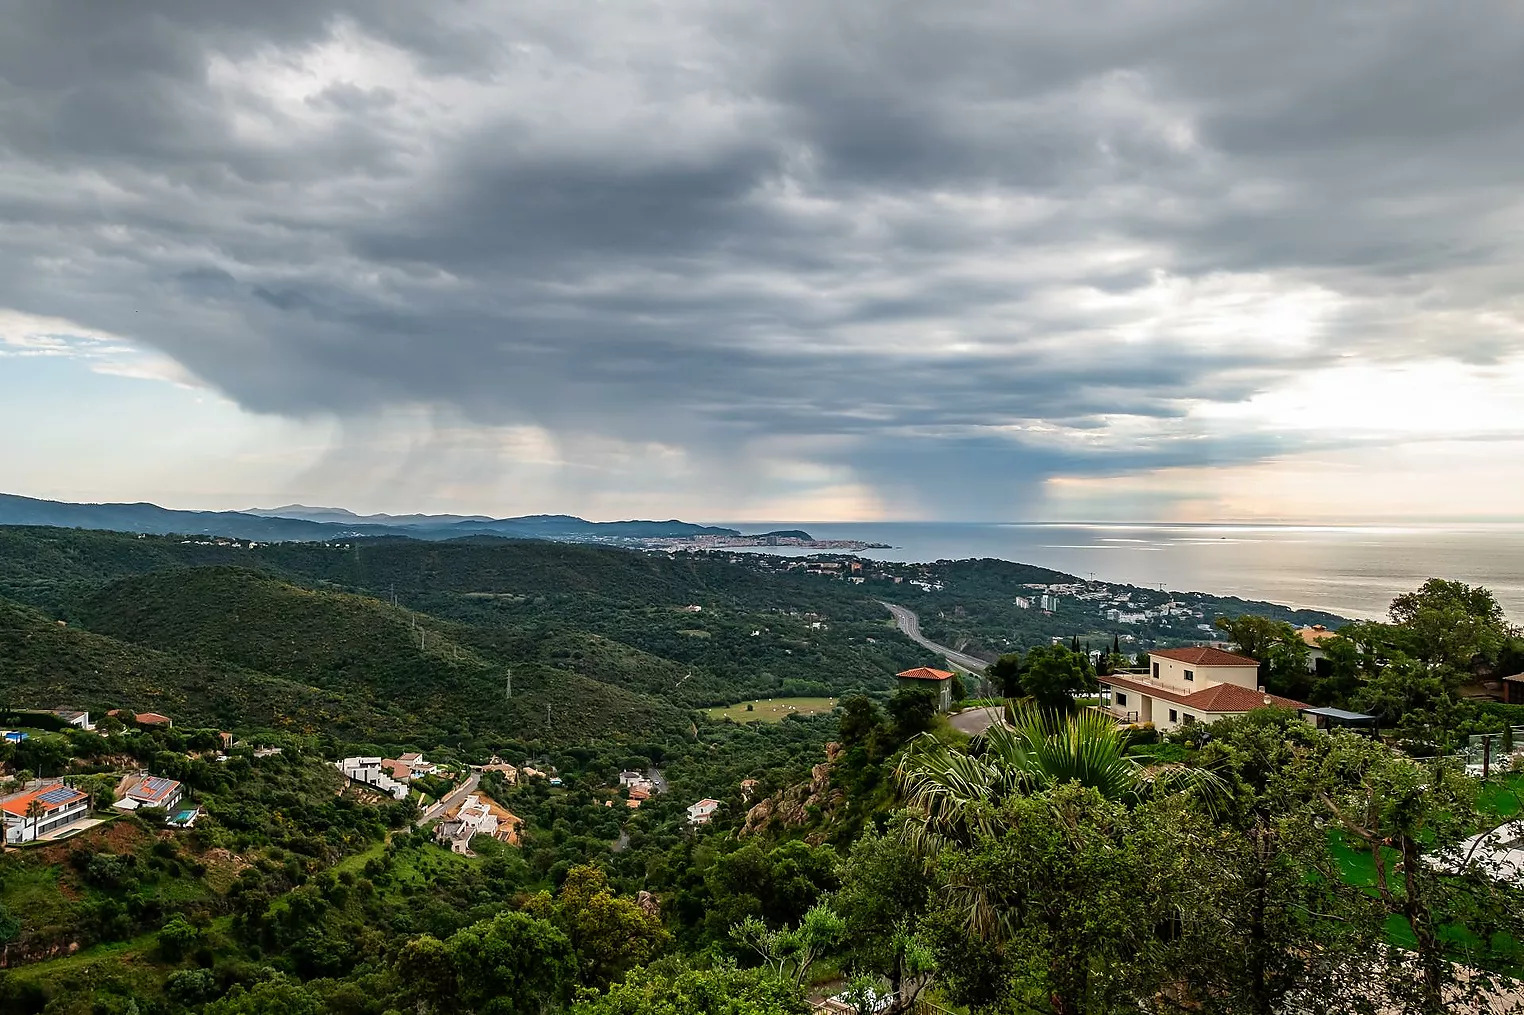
908	623
975	720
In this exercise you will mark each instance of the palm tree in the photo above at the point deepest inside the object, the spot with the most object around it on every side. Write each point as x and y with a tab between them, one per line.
955	796
35	811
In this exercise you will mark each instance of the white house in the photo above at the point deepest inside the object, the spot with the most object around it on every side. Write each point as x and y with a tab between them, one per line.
150	791
368	771
1188	685
53	806
415	761
701	812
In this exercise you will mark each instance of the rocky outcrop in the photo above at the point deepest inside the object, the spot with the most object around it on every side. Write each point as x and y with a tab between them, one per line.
794	807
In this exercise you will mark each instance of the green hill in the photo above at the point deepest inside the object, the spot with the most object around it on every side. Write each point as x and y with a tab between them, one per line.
383	659
44	664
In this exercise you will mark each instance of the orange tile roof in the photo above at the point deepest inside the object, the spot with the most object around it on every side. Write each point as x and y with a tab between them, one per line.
1202	655
924	673
152	719
1217	698
18	804
1316	635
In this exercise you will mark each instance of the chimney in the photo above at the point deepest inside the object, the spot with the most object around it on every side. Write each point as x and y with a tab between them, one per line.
1261	688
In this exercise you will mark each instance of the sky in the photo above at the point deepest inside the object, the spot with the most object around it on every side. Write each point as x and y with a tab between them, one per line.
798	261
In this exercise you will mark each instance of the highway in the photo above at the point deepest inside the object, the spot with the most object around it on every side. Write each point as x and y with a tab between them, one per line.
910	624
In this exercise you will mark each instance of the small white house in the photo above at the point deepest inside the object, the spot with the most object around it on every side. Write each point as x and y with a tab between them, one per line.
701	812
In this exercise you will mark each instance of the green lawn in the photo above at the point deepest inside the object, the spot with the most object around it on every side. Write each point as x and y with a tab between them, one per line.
771	709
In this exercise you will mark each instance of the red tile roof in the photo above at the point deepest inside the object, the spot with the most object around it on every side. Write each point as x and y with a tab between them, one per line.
152	719
1217	698
1202	655
1316	635
924	673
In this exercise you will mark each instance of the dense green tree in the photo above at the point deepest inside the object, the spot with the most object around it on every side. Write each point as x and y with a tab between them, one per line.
1006	674
884	896
1450	623
513	964
611	934
426	968
860	720
1412	698
276	996
1053	675
724	990
1056	908
912	710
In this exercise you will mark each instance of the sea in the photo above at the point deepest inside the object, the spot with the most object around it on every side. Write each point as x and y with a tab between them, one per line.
1350	570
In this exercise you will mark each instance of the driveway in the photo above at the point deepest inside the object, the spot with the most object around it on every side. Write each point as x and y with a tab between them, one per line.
976	720
454	799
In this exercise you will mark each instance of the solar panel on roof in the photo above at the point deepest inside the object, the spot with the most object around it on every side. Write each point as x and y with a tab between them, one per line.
154	784
59	795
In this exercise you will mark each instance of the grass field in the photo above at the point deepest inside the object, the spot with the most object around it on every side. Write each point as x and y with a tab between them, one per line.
772	709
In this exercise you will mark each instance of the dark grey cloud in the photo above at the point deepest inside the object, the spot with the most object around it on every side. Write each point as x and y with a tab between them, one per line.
941	246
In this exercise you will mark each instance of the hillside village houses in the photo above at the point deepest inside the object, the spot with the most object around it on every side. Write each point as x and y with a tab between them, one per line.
43	810
1188	685
476	816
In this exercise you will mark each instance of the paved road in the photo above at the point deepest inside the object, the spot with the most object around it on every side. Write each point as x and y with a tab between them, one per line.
452	800
910	624
976	720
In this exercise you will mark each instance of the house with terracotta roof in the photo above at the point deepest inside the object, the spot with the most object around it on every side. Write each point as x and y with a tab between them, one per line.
1188	685
937	681
1314	638
42	810
142	718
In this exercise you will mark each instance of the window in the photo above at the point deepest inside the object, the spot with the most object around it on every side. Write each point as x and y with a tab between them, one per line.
1121	698
1190	674
1173	717
1156	671
1189	717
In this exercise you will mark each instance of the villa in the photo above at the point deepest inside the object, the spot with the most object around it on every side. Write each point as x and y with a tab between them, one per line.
42	811
150	791
1188	685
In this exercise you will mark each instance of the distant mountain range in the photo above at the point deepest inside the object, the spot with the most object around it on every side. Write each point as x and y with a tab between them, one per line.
296	522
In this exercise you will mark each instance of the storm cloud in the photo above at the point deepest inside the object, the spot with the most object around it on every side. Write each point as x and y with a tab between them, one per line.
899	246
